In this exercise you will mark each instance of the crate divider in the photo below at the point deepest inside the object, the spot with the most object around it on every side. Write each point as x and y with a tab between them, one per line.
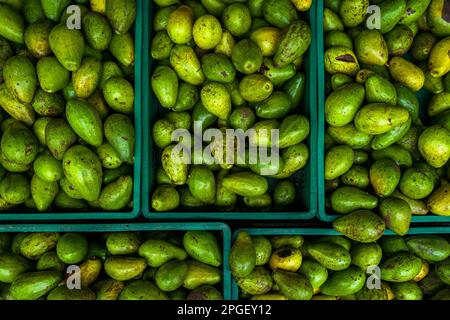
88	228
307	177
318	232
121	215
422	95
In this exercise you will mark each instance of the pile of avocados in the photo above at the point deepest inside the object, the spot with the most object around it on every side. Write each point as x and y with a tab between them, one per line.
337	268
67	105
111	266
229	65
386	151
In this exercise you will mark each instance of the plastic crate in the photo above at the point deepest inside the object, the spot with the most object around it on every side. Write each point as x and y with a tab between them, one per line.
221	228
422	95
320	232
91	215
306	179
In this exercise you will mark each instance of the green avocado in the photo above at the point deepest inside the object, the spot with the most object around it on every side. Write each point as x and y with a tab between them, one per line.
123	268
72	248
349	135
117	195
97	30
83	169
391	13
121	14
158	252
242	255
120	133
20	78
257	282
344	283
85	121
247	56
15	188
379	89
50	261
12	266
365	255
399	40
13	24
353	12
108	156
122	48
409	290
43	192
67	45
187	65
52	75
347	199
384	177
371	48
284	193
108	289
342	104
34	245
19	145
142	290
436	18
246	184
119	95
432	248
401	267
218	67
293	44
34	285
64	293
86	79
170	276
293	285
378	118
330	255
362	226
203	246
48	104
343	156
396	214
16	109
165	86
200	274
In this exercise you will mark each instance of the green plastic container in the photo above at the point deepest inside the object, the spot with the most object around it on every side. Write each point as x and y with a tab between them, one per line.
89	215
320	232
423	96
306	179
219	228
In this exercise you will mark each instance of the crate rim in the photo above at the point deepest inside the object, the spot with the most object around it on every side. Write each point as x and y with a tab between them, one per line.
94	228
107	215
309	214
318	232
321	211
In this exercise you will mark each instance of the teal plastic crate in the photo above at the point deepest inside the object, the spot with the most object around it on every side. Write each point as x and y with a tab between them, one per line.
89	215
221	228
306	179
423	96
320	232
